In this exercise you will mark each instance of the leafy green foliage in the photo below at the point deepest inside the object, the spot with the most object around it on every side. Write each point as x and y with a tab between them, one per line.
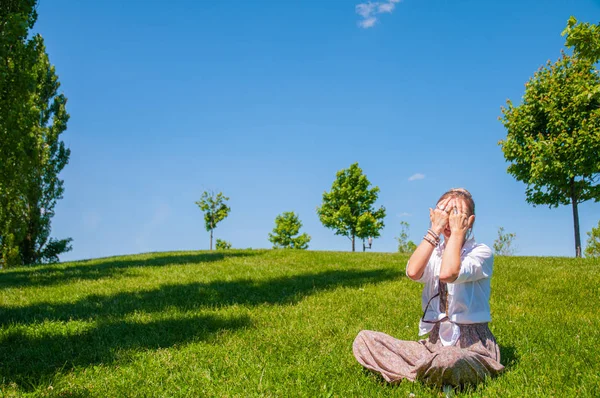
348	208
553	136
593	243
275	323
285	234
222	245
584	38
404	244
32	118
16	84
503	245
50	156
215	210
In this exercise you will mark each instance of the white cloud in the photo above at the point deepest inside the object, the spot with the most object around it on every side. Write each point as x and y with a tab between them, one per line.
369	11
404	214
387	7
365	9
367	23
417	176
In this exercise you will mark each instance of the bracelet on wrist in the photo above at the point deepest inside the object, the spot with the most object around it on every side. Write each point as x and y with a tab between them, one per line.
428	239
435	238
433	234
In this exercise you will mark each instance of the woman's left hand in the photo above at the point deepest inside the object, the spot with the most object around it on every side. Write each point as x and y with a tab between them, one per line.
458	220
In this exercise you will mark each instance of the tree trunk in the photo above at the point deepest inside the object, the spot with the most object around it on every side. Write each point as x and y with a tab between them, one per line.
575	219
212	225
353	243
28	249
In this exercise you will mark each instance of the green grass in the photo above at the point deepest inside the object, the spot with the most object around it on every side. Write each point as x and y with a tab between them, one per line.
275	323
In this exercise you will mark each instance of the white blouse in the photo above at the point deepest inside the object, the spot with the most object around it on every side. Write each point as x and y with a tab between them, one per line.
468	295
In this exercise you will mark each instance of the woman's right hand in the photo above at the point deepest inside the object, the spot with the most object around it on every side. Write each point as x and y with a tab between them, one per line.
439	215
420	257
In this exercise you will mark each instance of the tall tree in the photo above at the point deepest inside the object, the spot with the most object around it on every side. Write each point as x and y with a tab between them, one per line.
215	210
286	232
32	118
348	207
49	156
16	18
553	136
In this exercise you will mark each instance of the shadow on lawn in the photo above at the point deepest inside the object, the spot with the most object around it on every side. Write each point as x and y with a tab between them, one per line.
47	275
31	360
192	296
27	359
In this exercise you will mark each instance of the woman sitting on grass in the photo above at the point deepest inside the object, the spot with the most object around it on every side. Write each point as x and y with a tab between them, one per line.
456	274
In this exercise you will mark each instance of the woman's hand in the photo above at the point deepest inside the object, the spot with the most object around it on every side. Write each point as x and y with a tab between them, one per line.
420	257
459	224
458	219
439	217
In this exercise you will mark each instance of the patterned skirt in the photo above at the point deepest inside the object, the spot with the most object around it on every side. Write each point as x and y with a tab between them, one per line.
475	357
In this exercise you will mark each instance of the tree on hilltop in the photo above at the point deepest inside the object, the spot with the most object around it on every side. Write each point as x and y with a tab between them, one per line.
286	232
348	208
553	136
215	210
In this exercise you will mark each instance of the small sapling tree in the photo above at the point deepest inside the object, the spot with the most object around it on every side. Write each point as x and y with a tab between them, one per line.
215	210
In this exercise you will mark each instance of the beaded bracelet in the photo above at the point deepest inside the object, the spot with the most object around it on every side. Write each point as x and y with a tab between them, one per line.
428	239
434	235
436	240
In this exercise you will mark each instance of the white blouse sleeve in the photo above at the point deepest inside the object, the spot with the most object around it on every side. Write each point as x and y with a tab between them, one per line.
476	264
426	273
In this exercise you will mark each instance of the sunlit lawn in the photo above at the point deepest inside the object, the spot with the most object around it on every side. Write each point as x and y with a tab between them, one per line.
275	323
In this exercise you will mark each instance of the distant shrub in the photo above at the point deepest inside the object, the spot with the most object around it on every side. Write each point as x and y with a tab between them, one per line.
223	244
503	245
593	242
404	244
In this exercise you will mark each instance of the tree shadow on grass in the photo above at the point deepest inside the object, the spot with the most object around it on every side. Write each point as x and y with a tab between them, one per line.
26	359
29	360
47	275
215	294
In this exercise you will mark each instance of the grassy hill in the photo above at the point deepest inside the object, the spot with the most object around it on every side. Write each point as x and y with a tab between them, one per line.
274	323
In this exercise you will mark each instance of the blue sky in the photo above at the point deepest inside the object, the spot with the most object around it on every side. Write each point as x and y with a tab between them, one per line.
266	100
